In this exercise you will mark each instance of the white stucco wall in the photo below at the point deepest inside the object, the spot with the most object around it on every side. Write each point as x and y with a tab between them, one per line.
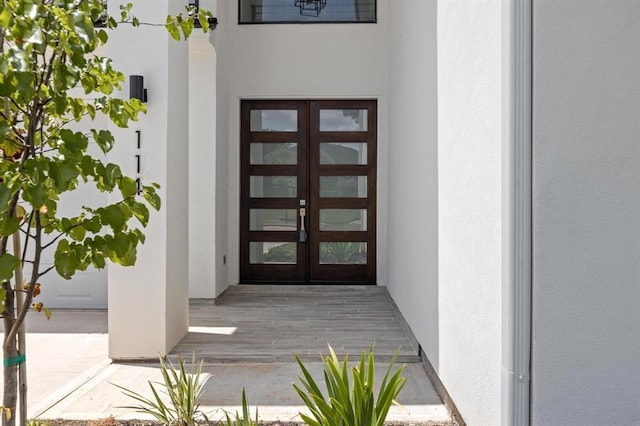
148	303
87	289
202	166
413	169
469	206
287	62
586	212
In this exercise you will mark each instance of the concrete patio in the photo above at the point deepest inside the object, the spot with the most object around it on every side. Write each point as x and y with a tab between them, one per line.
246	341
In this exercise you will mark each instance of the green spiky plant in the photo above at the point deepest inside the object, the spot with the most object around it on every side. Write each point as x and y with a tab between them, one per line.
182	387
349	404
245	419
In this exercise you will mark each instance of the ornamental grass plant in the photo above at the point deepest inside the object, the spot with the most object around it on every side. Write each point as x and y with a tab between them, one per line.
182	387
244	419
346	403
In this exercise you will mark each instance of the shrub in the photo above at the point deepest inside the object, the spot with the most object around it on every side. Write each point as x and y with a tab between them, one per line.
184	389
346	404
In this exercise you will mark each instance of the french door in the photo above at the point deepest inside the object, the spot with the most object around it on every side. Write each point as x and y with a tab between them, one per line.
308	191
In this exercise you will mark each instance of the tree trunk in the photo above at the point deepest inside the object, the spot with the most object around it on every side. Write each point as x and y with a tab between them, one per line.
10	386
10	352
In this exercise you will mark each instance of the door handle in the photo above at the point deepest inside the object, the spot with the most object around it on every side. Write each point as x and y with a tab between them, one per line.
302	234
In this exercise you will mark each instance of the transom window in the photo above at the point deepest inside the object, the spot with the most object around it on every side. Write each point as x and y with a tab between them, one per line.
306	11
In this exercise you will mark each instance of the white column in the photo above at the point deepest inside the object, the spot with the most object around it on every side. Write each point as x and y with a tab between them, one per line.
202	166
148	303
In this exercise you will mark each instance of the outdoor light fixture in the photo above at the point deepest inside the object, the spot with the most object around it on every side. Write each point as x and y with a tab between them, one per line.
136	88
195	4
313	6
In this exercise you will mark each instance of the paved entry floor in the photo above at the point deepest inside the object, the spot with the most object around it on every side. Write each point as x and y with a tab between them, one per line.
268	323
246	341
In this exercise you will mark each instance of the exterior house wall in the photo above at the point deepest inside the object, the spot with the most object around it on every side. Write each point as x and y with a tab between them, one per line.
87	289
470	206
586	212
291	61
413	171
156	288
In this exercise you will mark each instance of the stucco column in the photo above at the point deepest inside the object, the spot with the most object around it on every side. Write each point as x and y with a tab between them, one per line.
148	303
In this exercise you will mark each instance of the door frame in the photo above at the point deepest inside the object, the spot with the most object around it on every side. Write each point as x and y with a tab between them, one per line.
358	274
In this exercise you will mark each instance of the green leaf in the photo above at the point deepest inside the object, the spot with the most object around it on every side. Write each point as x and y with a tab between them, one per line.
5	197
128	187
5	17
83	26
8	264
94	225
123	249
98	260
172	28
36	195
63	174
141	212
65	259
187	27
113	216
103	36
151	197
9	225
78	233
4	129
104	139
111	175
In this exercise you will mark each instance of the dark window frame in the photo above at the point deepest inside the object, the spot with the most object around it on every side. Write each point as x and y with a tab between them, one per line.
374	21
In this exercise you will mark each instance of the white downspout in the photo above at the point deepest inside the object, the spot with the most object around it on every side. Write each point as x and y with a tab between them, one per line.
516	291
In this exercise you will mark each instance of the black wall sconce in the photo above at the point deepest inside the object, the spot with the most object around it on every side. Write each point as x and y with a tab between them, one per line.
136	88
213	22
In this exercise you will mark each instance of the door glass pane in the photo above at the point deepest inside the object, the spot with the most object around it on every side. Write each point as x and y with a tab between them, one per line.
274	120
343	219
343	253
274	153
273	187
343	153
343	120
343	186
273	220
273	253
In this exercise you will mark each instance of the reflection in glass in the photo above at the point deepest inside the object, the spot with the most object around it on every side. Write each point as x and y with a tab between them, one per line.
343	186
273	187
343	219
253	11
274	153
343	120
274	120
273	220
343	253
343	153
272	253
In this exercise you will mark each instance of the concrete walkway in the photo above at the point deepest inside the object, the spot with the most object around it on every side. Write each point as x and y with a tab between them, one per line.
246	341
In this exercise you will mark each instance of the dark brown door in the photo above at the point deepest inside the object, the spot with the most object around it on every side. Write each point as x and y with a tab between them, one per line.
308	191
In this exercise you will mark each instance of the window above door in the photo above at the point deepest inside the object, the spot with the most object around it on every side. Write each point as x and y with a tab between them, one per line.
306	11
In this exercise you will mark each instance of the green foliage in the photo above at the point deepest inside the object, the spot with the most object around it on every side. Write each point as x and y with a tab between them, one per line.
183	389
35	422
346	404
245	419
52	51
51	78
180	25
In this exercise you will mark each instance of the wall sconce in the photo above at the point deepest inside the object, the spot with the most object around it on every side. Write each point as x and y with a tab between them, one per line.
136	88
195	4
